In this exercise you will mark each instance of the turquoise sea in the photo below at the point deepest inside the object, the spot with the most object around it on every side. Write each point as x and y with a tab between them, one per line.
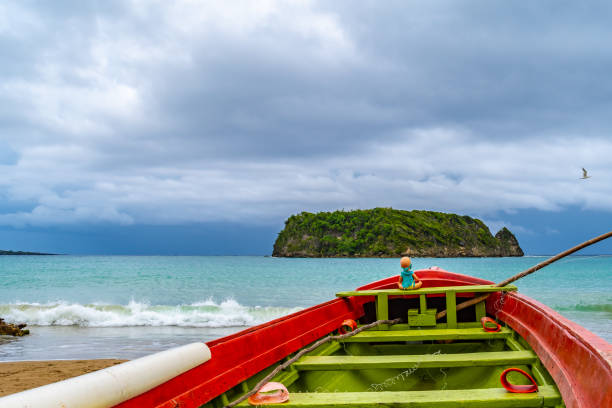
81	307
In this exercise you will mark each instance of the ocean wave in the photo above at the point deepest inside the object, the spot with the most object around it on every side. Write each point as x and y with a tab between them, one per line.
582	307
228	313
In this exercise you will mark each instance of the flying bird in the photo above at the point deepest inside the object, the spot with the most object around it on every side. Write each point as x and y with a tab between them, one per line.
584	174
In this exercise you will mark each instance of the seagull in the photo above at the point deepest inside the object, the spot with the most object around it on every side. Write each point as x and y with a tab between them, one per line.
584	174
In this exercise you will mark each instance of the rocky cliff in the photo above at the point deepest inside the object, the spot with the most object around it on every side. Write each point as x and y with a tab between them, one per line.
385	232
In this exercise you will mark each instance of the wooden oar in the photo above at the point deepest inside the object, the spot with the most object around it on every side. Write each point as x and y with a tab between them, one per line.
526	272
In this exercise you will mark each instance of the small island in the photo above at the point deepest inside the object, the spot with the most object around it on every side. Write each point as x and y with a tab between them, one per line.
21	253
389	233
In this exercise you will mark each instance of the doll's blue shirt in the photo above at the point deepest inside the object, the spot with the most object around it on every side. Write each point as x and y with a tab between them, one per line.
407	278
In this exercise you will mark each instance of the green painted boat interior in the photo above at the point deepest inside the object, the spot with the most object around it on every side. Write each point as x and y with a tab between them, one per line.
452	363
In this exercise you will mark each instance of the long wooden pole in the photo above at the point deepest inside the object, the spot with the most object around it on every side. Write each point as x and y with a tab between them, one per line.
529	271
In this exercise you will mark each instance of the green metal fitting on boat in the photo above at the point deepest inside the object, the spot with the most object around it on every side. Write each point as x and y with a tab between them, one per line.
416	319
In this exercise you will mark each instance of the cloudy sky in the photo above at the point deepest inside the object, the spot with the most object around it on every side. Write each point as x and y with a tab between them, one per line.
198	127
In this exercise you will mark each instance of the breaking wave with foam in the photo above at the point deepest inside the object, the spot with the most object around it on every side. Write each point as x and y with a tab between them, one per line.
228	313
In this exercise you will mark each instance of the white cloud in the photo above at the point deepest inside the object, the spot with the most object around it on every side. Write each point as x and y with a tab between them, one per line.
407	174
189	111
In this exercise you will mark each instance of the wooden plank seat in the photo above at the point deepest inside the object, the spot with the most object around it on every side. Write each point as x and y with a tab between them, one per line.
546	396
473	333
427	291
423	361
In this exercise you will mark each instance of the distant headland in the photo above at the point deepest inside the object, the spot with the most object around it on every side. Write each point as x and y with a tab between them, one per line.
21	253
389	233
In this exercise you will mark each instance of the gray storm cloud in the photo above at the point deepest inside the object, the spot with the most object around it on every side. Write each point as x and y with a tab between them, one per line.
162	113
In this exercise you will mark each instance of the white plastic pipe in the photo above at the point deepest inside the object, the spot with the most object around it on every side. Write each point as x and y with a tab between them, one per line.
112	385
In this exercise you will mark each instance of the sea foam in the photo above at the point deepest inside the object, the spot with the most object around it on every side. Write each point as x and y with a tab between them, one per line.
228	313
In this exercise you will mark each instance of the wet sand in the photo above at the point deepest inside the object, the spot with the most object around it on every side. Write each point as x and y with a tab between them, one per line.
23	375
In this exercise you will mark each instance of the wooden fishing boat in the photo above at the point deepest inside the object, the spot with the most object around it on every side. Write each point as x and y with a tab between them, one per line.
420	362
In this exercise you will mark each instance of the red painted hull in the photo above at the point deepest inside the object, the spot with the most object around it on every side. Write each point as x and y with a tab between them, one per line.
578	360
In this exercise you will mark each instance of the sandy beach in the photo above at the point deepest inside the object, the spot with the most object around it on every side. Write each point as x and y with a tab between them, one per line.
23	375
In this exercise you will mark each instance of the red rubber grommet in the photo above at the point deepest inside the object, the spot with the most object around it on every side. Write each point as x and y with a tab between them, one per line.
533	387
347	326
270	393
488	320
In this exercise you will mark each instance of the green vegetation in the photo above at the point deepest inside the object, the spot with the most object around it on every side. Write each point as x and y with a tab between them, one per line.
385	232
20	253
